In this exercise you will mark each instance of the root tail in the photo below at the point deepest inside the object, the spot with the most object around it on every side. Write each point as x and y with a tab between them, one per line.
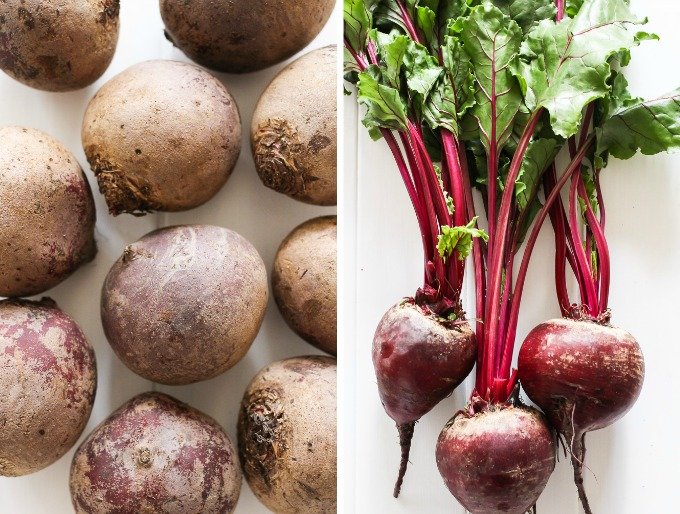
405	437
578	454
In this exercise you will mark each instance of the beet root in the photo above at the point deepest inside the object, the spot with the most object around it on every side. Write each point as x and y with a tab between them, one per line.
419	360
156	454
48	381
584	375
497	460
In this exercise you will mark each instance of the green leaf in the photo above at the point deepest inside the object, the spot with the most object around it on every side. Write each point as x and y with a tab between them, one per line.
422	74
384	106
357	23
454	92
450	10
459	69
567	65
573	7
426	21
459	239
492	40
392	48
439	110
527	12
540	153
649	126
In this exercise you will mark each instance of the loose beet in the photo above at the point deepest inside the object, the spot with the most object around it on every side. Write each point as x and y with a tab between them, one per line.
304	281
156	454
47	213
584	375
48	379
55	45
419	360
243	36
287	435
294	130
161	135
184	303
497	460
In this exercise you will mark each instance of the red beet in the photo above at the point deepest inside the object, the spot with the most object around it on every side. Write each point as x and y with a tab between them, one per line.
419	360
497	460
584	375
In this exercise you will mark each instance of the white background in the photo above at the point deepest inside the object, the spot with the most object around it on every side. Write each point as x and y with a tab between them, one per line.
264	217
634	463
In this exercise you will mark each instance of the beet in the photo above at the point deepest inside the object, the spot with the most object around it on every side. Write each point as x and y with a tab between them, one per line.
48	380
498	459
419	360
156	454
584	375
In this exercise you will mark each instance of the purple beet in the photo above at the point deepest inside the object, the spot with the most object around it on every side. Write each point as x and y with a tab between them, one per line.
419	360
496	460
584	375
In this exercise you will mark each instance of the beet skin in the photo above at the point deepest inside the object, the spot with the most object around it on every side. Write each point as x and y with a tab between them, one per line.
584	375
498	460
156	454
419	360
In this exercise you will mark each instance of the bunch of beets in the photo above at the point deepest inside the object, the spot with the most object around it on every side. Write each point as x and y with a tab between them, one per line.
476	100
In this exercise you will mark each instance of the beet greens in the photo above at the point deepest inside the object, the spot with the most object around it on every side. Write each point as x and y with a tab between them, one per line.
484	95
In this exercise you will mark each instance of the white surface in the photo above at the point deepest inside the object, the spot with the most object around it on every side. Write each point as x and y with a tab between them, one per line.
635	460
244	205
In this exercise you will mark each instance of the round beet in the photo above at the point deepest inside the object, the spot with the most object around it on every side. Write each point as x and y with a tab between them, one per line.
243	36
57	45
293	133
287	435
304	281
48	379
47	213
161	136
156	454
419	359
584	375
497	460
184	303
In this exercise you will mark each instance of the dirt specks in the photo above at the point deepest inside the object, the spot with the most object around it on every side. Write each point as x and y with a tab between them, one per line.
110	11
318	143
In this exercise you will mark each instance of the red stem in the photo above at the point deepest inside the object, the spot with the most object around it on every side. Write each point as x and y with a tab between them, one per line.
410	28
562	250
600	199
531	242
415	201
590	299
602	251
496	258
560	10
424	189
423	159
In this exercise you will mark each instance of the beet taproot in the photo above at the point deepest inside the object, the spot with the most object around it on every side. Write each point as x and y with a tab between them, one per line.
304	282
293	133
239	37
184	303
156	454
419	360
584	375
287	435
161	136
48	381
47	213
57	45
497	460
